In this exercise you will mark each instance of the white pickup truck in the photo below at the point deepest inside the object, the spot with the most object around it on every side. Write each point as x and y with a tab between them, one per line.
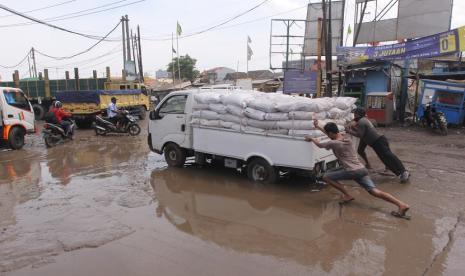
16	117
263	156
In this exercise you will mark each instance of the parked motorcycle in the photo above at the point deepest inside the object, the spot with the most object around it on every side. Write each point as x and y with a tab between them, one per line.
434	119
54	134
129	125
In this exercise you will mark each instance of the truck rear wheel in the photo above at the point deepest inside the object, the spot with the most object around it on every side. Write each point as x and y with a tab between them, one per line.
174	155
259	170
16	138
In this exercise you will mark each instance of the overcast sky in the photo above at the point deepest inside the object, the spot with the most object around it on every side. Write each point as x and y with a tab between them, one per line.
225	46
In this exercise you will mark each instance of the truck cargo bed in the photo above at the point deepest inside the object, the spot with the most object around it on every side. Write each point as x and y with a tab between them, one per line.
278	150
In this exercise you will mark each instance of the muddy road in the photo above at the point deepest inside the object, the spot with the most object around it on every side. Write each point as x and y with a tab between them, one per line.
108	206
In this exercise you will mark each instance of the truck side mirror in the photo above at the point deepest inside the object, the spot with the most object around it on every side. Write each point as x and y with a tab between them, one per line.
154	115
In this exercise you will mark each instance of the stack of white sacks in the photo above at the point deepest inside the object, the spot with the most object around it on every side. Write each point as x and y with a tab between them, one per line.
270	113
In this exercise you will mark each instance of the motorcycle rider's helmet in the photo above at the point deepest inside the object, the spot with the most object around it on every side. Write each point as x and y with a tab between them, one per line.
58	104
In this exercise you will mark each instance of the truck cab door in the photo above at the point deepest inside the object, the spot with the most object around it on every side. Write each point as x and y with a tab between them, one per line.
168	123
16	109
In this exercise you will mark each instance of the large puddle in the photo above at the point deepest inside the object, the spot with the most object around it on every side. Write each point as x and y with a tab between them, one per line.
107	206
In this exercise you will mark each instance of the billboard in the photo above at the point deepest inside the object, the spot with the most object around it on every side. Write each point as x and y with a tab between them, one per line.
415	18
301	82
315	11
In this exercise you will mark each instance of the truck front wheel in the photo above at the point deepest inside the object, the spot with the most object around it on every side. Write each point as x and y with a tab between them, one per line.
16	138
259	170
174	155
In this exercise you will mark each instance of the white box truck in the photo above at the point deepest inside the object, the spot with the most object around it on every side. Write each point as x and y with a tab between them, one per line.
262	155
16	117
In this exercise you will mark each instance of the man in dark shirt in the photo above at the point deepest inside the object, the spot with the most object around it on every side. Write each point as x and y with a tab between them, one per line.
353	169
369	136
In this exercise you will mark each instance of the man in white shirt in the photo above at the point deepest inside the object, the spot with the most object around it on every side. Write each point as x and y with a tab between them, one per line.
113	112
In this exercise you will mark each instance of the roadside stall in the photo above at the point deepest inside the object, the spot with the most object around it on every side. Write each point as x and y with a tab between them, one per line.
447	97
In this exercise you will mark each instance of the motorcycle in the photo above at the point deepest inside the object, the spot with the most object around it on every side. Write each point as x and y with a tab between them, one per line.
54	134
102	125
434	119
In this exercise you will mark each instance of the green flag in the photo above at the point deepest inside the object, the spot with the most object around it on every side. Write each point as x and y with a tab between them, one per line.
349	30
178	29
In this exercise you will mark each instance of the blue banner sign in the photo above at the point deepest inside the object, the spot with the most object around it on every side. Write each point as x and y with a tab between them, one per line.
446	43
301	82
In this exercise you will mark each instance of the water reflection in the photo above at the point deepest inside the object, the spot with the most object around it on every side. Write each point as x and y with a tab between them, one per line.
268	220
19	182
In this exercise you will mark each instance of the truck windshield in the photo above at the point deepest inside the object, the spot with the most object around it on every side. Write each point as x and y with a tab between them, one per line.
17	99
174	105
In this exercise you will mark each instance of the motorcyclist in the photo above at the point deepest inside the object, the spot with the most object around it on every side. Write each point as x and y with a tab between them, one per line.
61	116
114	113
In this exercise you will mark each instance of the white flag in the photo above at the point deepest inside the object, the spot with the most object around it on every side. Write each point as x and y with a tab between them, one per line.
249	52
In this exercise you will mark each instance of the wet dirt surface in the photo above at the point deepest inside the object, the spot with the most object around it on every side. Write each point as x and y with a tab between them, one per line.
108	206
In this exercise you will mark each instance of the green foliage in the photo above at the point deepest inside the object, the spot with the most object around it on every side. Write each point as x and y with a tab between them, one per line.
187	67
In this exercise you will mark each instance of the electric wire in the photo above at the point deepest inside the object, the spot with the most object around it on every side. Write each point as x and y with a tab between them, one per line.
19	63
115	50
82	52
42	8
216	25
76	14
3	7
152	38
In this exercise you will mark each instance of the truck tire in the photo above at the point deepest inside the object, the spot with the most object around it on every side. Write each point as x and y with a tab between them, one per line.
39	111
142	113
174	155
259	170
16	138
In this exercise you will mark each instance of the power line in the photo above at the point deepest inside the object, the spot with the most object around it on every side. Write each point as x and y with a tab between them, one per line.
115	50
217	25
83	52
3	7
19	63
77	14
43	8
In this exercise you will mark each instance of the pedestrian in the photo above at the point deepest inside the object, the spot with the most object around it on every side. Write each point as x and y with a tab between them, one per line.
368	135
352	168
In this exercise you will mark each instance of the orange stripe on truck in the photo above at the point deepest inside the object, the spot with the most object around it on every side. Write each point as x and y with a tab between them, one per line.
6	131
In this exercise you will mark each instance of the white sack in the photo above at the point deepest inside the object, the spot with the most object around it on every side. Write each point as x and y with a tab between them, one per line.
235	110
205	114
240	99
320	115
344	102
336	113
253	129
295	124
226	124
199	106
276	116
230	118
218	108
312	133
263	104
254	114
210	123
260	124
301	115
195	121
207	97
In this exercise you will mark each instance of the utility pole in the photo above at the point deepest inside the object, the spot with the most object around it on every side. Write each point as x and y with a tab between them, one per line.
362	14
329	55
124	42
318	79
141	68
128	44
133	44
34	62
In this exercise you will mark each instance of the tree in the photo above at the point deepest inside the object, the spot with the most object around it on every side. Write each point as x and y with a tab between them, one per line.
187	67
